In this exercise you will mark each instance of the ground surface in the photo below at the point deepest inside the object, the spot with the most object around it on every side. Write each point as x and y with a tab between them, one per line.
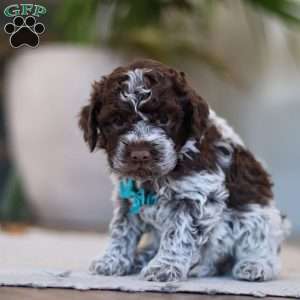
48	249
54	294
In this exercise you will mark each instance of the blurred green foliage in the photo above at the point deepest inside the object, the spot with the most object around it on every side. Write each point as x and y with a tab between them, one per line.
13	205
161	29
287	10
78	19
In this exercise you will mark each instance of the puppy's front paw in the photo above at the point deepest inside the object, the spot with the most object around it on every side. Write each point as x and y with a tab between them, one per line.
110	265
162	272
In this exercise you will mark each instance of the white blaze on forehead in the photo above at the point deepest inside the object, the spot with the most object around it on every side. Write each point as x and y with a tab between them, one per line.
144	132
135	88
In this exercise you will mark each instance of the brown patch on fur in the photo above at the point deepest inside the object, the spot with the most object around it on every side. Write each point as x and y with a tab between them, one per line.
206	160
247	181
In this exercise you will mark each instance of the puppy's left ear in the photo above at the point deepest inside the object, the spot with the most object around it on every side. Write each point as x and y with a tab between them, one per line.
87	123
196	108
88	118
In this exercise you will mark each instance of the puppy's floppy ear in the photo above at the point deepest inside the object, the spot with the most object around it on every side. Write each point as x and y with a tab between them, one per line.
88	125
200	114
196	109
88	119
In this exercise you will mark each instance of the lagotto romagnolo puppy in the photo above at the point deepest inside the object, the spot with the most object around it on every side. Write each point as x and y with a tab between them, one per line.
212	210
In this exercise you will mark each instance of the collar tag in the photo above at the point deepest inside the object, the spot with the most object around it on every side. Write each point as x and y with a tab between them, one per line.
136	197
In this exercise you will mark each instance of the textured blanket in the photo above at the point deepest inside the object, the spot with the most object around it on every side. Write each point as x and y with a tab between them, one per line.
41	258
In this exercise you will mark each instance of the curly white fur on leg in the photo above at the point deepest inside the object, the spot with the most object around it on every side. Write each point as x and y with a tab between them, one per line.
259	233
192	215
246	242
125	231
175	253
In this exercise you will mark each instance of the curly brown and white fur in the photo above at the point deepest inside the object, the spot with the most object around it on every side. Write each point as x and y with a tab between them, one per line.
215	211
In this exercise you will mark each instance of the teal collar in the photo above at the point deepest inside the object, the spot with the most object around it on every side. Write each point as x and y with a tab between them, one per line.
136	197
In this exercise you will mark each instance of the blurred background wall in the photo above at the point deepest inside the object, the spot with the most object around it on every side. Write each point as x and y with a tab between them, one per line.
242	56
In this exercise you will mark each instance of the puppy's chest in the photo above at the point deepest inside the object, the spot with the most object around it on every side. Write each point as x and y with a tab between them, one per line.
155	215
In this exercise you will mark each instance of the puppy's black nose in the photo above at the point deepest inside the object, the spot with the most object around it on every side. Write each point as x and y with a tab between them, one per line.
140	156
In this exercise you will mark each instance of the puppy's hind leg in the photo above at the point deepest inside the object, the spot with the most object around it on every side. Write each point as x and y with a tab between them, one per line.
256	269
256	250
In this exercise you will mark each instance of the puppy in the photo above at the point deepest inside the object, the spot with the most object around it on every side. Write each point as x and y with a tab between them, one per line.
183	176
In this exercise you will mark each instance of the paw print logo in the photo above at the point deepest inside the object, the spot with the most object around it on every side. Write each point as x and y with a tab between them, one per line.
24	32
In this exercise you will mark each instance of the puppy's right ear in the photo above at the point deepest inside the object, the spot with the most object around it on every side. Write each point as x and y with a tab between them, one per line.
88	119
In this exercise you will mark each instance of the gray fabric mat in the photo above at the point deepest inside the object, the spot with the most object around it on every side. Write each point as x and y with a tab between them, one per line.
42	258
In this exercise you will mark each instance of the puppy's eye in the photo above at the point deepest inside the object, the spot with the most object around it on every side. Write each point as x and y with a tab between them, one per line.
118	123
163	120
